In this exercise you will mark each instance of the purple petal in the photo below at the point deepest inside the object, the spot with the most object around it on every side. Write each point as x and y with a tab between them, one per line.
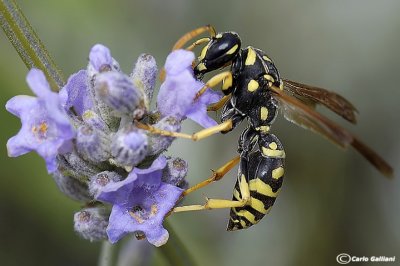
17	146
119	224
20	103
177	61
37	82
157	236
78	94
158	164
118	193
150	178
177	93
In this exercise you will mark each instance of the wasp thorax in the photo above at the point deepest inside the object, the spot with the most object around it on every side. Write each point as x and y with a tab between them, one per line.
220	51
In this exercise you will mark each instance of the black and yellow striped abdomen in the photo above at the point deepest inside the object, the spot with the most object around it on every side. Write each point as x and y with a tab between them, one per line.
263	170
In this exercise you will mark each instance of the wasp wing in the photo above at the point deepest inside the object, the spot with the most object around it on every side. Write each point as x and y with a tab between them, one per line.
312	95
301	114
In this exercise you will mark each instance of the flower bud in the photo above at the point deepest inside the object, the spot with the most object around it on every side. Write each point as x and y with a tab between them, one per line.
159	143
119	93
144	75
100	60
71	164
93	144
71	187
97	182
175	172
129	146
92	119
91	223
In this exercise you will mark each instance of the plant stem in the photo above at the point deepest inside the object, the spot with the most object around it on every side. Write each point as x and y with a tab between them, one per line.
174	251
27	44
106	254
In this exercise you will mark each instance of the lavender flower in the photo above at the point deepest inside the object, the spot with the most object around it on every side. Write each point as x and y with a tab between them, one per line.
46	128
140	203
75	93
177	93
87	135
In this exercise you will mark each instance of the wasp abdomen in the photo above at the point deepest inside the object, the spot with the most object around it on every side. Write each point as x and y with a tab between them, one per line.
264	171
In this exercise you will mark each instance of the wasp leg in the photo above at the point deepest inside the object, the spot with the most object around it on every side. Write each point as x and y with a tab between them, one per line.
224	77
202	134
218	105
192	34
222	203
217	175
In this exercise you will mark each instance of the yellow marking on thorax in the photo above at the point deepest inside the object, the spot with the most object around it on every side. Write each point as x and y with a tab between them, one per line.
252	86
251	57
278	173
266	58
218	36
269	78
273	153
233	49
262	188
273	145
264	113
246	214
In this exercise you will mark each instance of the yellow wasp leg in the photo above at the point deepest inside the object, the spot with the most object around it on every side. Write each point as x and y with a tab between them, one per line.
202	134
218	105
217	175
224	77
192	34
221	203
196	43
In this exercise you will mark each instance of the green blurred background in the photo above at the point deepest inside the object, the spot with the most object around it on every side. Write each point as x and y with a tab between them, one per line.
332	201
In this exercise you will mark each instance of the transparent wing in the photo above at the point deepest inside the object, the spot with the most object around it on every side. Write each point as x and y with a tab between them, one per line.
312	95
301	114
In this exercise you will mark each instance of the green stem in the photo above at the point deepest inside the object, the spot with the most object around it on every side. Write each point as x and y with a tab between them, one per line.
106	254
27	44
174	251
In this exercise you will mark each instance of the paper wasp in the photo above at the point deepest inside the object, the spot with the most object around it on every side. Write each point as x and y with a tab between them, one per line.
255	91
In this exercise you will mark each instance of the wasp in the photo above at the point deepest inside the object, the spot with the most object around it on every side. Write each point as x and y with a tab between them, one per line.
254	91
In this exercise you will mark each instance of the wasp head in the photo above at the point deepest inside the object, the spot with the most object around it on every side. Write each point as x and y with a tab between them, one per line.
219	52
